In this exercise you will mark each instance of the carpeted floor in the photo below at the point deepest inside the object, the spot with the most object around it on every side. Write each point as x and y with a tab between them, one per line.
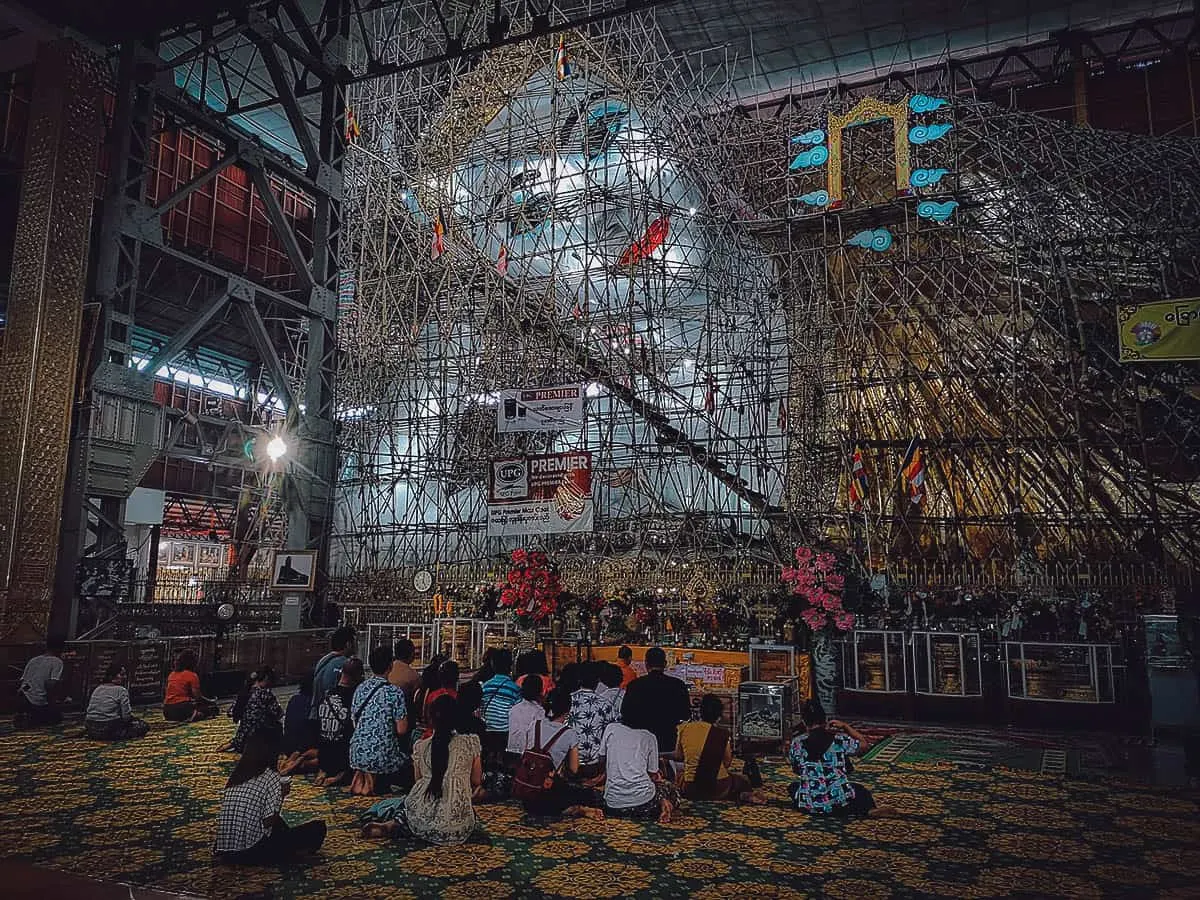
143	812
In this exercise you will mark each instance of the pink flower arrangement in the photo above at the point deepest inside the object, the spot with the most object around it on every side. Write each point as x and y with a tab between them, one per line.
815	580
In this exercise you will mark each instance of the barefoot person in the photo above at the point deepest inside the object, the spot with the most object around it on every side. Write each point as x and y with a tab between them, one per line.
820	757
448	769
380	717
183	701
553	736
250	829
634	787
38	693
109	715
333	746
707	752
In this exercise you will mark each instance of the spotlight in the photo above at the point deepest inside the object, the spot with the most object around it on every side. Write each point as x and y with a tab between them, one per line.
691	210
276	448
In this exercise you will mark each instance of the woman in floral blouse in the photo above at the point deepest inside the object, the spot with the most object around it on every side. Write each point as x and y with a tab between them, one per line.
262	711
380	716
819	757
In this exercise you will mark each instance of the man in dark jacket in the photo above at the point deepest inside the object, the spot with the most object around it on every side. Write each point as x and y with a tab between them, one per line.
657	702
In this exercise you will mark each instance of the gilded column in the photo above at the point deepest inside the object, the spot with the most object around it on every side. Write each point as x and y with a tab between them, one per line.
41	340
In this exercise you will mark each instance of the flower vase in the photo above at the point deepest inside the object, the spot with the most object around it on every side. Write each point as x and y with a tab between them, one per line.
594	629
556	629
526	638
824	671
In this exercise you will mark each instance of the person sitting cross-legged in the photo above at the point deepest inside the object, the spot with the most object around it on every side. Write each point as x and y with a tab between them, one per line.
820	759
706	753
260	710
590	714
553	736
183	700
522	716
500	694
634	786
40	688
109	715
250	829
447	768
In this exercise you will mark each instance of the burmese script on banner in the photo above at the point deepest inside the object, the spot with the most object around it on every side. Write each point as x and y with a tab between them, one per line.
549	493
541	409
1159	332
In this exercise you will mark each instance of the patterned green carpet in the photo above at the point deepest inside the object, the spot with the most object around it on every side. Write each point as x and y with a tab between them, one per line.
143	813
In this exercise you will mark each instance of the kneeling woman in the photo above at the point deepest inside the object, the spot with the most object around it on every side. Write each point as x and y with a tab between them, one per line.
109	715
447	768
820	758
706	752
249	826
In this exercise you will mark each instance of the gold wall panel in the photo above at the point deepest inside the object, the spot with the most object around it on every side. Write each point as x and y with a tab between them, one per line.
41	340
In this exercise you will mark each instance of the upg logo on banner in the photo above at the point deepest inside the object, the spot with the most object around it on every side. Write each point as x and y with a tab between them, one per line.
510	479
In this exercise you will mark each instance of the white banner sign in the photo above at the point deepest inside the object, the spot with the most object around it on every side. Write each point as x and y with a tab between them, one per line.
548	493
541	409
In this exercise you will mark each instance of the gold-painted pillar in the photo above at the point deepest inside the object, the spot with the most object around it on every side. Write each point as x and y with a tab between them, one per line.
41	339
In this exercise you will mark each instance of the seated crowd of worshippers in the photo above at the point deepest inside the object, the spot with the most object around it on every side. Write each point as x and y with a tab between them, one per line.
600	740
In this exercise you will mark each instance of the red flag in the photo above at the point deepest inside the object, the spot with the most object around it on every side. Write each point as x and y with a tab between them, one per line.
438	247
654	238
858	479
353	132
781	420
710	394
502	260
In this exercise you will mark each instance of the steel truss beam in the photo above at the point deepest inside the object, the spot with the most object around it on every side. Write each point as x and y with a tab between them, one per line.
1015	67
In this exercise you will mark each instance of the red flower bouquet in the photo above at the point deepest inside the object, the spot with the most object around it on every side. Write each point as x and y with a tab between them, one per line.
531	590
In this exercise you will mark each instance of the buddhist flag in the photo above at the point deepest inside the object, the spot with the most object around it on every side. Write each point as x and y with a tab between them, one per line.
353	131
913	470
562	63
438	247
858	479
502	260
710	394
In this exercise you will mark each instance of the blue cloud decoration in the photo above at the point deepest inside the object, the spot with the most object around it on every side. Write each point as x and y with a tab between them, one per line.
877	239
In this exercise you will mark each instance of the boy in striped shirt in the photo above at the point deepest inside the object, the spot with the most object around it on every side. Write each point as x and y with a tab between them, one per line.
500	694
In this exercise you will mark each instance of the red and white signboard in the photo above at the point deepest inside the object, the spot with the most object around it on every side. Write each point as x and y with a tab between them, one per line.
548	493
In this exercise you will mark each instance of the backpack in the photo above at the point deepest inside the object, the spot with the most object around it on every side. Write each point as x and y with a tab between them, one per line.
535	772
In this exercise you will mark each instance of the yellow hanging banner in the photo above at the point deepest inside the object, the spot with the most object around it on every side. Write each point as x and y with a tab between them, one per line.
1159	332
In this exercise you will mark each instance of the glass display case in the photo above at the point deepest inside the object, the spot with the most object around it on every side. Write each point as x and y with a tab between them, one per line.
1060	673
389	632
453	638
764	710
947	664
490	635
876	662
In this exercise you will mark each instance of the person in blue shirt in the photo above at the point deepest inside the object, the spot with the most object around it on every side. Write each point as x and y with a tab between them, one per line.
500	695
328	669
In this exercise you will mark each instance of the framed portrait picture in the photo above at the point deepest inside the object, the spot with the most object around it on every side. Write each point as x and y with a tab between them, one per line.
183	553
210	555
294	570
